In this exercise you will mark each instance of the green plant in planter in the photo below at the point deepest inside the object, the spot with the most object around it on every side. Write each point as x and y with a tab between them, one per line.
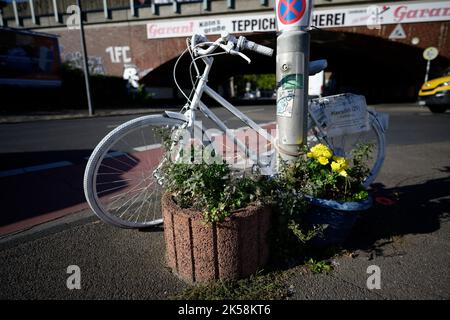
321	174
316	173
212	188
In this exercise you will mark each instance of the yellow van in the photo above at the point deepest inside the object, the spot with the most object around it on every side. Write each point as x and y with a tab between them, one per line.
435	93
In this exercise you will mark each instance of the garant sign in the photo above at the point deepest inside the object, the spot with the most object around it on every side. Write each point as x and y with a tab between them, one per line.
212	25
350	16
387	13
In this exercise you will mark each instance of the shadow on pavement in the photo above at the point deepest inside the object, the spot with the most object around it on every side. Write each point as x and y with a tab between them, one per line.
412	209
38	193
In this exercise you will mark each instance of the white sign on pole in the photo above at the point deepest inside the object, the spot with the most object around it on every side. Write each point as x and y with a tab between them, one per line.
344	113
430	53
398	33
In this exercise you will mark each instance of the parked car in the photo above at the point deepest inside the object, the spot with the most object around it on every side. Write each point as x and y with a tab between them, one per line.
435	93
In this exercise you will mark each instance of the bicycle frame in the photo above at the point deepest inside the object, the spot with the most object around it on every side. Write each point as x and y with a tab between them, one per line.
197	104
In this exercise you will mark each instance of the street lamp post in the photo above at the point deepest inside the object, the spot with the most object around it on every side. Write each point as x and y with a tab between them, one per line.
85	61
293	18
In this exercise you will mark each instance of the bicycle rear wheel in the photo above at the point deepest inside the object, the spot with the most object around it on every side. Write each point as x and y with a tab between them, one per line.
119	182
343	145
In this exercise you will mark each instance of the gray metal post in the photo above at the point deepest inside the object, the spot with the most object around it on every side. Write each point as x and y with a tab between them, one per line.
16	13
85	62
292	76
33	13
55	11
428	70
105	9
132	9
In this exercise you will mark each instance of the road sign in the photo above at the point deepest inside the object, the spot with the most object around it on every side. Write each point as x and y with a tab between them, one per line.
293	14
398	32
291	11
430	53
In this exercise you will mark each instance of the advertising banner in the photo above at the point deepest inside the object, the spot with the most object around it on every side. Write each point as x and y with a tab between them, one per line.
350	16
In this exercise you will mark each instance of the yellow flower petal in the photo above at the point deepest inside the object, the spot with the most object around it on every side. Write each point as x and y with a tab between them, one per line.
335	166
322	160
327	153
343	173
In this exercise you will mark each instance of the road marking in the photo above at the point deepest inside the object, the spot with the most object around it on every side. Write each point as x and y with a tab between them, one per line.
148	147
115	154
254	110
111	155
262	125
42	167
245	112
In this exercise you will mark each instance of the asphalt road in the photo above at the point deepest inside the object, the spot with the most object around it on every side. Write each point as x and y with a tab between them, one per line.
406	234
42	142
43	162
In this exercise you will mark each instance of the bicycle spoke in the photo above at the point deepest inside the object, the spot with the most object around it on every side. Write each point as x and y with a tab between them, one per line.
107	190
117	181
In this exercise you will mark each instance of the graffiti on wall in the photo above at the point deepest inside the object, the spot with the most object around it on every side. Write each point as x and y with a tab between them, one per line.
119	54
95	64
131	74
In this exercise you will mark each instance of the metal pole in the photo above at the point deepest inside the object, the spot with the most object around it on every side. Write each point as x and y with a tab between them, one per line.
428	70
55	11
85	61
105	9
132	9
16	13
292	63
33	14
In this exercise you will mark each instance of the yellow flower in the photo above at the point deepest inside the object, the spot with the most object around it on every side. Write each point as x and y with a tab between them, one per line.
335	166
343	173
339	159
322	160
320	150
339	164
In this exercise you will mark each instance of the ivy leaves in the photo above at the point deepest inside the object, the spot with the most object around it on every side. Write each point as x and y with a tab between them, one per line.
213	188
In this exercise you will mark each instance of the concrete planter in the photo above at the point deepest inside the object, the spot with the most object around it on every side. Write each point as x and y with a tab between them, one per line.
233	249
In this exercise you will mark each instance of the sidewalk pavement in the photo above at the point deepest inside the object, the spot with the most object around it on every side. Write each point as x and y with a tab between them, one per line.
78	114
407	235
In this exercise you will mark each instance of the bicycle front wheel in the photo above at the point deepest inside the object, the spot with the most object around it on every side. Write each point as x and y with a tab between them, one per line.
120	183
344	144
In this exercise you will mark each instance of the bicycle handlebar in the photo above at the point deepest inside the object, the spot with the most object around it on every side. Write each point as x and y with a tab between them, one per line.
232	46
252	46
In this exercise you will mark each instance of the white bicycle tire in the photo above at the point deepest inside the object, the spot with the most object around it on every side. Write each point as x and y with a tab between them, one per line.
99	153
376	127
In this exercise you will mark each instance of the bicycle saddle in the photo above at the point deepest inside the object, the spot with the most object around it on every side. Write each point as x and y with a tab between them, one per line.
316	66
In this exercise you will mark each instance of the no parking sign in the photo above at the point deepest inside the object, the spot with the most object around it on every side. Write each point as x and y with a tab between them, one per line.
293	14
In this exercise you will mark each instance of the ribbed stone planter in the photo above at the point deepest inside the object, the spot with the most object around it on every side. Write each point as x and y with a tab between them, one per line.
199	252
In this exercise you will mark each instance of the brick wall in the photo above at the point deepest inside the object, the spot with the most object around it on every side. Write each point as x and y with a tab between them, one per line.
435	34
148	54
101	41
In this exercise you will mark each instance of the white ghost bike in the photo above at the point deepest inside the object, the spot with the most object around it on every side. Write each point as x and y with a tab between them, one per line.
121	181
